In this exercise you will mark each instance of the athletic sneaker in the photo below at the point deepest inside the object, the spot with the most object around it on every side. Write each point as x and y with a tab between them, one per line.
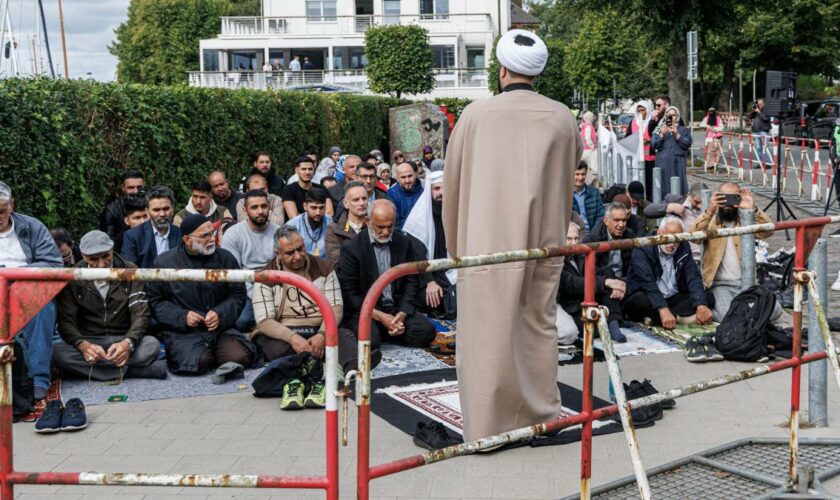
712	353
74	418
292	395
317	397
835	234
667	404
50	419
695	352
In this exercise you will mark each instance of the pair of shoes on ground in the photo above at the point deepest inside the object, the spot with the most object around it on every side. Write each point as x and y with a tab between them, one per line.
434	436
647	416
701	349
297	394
62	417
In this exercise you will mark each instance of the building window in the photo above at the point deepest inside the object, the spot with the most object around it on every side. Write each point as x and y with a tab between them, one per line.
475	57
443	56
434	9
243	61
320	10
391	9
211	60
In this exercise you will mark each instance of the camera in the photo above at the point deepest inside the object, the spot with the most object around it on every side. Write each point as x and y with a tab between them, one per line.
669	121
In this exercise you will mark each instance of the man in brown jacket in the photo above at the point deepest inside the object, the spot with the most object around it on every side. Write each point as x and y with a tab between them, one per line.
351	221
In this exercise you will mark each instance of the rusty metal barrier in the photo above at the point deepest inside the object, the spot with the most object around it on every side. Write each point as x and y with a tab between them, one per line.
807	232
24	291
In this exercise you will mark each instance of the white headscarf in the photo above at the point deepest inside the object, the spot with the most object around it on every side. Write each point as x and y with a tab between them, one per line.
642	122
420	222
522	52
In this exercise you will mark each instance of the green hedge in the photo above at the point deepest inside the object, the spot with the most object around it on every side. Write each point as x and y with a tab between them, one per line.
65	142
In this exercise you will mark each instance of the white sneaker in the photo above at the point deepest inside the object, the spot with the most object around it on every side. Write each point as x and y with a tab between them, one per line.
836	285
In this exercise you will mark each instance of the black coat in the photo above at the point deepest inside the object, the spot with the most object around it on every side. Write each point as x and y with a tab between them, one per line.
570	293
139	244
599	233
646	270
112	222
170	301
357	270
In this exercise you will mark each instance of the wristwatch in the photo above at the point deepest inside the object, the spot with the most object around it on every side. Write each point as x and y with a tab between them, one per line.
130	345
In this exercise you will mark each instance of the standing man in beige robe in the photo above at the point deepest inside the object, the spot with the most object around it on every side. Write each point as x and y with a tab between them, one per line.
509	176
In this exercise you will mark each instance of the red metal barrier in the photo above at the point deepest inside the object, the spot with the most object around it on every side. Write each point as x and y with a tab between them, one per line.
20	301
807	232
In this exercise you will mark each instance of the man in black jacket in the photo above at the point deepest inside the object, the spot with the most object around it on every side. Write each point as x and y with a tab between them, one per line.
373	251
612	227
262	165
664	284
103	324
198	318
761	132
112	218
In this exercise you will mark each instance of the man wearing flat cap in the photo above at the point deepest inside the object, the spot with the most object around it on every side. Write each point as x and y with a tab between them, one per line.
198	317
103	324
507	338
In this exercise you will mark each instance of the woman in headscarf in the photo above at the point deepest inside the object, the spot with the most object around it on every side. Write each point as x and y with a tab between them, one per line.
590	146
641	117
383	171
670	143
327	165
714	132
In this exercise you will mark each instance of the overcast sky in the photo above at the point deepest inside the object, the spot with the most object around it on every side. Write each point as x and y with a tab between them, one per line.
89	28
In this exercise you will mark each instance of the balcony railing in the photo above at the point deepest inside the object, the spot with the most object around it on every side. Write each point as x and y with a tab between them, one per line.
347	80
236	27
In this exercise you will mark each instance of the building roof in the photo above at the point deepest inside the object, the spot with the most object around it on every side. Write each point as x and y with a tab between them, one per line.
518	16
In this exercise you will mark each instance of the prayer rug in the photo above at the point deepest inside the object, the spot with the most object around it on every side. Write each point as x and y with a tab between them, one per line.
639	342
682	333
405	400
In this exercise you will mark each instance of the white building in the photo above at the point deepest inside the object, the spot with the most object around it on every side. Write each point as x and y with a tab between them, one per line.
327	36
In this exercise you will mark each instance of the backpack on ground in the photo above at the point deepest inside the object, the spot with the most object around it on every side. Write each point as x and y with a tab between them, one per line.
742	335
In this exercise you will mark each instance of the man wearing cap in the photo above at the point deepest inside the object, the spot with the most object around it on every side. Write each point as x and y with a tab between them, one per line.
198	319
507	367
103	324
638	203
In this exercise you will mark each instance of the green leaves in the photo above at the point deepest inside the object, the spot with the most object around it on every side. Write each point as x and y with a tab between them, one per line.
399	60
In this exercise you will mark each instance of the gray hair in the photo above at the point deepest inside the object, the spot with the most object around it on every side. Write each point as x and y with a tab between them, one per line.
5	192
284	233
615	205
671	219
697	188
353	184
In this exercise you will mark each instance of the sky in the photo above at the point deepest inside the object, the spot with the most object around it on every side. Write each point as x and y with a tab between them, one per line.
89	28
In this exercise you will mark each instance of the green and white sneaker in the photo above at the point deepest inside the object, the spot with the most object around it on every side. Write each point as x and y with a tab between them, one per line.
292	395
317	397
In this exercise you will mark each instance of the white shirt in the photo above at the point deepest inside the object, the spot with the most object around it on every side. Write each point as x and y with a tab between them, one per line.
102	286
161	240
730	264
11	253
294	66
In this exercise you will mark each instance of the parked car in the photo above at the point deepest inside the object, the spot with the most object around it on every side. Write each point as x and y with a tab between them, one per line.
797	125
620	122
822	125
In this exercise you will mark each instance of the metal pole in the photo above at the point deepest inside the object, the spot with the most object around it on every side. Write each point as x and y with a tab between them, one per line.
46	37
657	184
676	185
589	328
691	119
6	354
63	40
747	218
740	98
818	370
796	371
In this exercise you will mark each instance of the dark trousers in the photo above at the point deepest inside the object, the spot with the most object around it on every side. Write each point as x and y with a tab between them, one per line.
612	305
637	307
419	332
649	164
71	362
196	353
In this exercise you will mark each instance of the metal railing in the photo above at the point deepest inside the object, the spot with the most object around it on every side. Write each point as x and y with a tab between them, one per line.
24	291
260	26
807	232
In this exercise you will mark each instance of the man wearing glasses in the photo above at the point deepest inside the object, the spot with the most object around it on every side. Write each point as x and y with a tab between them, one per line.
198	318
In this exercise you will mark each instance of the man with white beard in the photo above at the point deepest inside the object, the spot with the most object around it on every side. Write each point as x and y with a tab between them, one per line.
198	319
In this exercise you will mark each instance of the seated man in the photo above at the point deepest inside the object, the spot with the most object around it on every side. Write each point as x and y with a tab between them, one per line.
26	242
252	244
351	222
687	208
103	324
257	182
201	202
424	223
197	318
634	222
312	223
366	173
135	210
608	290
144	243
67	247
638	203
612	227
722	256
664	284
586	200
406	193
294	194
376	249
111	220
223	195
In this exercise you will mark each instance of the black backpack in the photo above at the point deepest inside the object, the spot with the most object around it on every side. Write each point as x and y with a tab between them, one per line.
22	390
742	335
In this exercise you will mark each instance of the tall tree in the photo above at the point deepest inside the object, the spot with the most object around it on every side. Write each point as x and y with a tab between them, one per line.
399	60
158	43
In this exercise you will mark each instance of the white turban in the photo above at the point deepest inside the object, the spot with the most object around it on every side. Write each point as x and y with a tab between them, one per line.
522	52
436	177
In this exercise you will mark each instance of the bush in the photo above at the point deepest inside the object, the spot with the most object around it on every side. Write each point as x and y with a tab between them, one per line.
399	60
455	105
65	142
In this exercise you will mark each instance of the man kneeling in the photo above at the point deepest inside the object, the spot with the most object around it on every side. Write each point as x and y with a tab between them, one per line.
103	323
664	284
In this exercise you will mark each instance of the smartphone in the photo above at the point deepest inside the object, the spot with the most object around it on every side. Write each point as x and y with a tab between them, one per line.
732	200
669	121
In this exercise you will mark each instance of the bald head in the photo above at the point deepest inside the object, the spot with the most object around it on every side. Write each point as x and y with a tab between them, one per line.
383	214
406	176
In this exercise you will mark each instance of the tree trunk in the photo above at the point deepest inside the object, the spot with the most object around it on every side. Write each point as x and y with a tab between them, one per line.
678	79
728	87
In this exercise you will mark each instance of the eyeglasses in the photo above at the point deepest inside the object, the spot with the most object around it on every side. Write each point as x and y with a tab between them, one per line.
206	235
367	176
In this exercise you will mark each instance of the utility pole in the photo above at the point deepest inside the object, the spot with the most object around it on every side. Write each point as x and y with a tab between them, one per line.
46	37
63	40
691	46
741	98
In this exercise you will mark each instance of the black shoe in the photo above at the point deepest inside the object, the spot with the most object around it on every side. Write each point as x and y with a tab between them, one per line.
642	417
708	345
433	436
667	404
74	418
694	351
50	420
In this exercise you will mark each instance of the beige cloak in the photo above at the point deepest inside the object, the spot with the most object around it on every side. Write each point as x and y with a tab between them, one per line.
508	186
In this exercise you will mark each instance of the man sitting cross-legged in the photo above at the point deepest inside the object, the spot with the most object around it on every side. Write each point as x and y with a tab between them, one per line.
373	251
288	320
103	324
664	284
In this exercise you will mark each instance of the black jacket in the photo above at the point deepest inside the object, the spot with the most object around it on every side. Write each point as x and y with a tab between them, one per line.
337	195
357	270
83	313
646	270
276	183
599	233
170	301
112	222
139	244
231	202
760	121
570	293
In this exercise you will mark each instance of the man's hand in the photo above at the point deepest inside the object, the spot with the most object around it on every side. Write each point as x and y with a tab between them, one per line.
300	344
316	345
384	319
91	352
747	200
617	294
433	294
677	209
704	315
669	321
718	200
211	320
397	326
194	319
615	284
118	353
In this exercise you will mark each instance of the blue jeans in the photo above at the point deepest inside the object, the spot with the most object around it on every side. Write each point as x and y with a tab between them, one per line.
36	338
246	321
762	140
